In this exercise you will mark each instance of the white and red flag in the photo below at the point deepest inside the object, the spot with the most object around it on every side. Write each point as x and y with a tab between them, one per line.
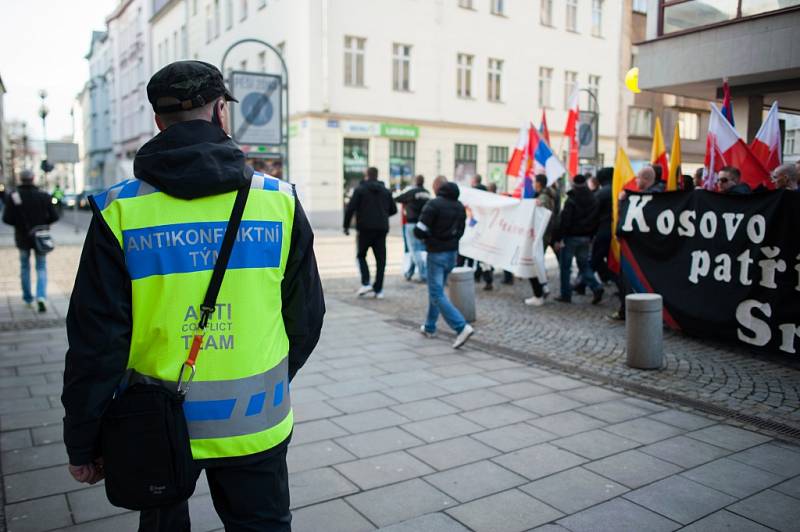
571	131
724	147
767	144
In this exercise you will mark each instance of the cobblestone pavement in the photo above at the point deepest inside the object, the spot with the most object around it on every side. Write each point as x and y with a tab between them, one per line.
580	337
401	433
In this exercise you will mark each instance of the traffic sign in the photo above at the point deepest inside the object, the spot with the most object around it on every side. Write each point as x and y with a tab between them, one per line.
257	119
62	152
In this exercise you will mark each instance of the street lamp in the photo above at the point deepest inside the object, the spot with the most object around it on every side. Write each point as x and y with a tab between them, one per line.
43	112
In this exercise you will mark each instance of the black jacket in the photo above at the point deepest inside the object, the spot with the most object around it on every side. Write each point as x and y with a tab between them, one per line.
441	223
579	215
372	204
188	160
604	204
740	190
414	199
26	208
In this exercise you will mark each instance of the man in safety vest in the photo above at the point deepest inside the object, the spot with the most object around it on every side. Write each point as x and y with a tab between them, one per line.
146	264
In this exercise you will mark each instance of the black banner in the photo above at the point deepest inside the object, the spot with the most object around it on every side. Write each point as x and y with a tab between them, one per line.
727	266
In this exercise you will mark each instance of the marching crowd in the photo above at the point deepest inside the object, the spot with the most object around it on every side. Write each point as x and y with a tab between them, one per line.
579	229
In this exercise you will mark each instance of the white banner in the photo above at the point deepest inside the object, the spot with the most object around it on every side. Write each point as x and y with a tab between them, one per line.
504	232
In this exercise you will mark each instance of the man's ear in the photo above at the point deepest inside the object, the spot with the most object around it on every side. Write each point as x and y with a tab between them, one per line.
160	123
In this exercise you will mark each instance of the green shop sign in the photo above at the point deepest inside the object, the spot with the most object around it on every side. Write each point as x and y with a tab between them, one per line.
399	131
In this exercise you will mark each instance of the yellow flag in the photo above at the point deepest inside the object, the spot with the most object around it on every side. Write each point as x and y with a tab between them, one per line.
623	173
658	153
674	160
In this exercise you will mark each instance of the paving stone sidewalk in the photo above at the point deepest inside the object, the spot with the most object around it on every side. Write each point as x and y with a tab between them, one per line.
401	433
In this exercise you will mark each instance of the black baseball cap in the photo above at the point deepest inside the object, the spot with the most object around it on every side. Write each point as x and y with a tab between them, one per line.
192	83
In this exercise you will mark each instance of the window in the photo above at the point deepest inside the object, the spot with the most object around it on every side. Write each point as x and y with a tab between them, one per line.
594	88
689	124
572	15
401	67
354	163
496	167
687	15
570	81
354	61
464	81
243	8
545	79
498	7
546	12
184	42
790	144
466	4
262	4
640	122
494	79
209	24
216	18
175	52
262	61
640	6
597	18
498	154
401	163
228	14
466	163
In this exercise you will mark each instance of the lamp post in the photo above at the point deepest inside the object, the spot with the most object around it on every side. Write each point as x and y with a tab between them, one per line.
43	112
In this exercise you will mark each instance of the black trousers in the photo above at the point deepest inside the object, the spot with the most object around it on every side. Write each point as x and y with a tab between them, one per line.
537	287
599	259
368	238
253	497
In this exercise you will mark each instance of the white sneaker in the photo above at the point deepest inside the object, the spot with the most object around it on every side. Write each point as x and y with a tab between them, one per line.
534	301
379	295
425	332
364	290
463	336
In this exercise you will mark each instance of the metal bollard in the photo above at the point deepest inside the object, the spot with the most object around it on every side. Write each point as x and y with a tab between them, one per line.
461	290
644	330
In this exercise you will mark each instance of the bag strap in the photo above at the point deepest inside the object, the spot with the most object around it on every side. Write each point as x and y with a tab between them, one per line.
210	299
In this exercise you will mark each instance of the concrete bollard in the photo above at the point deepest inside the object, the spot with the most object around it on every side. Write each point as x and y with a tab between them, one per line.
644	330
461	291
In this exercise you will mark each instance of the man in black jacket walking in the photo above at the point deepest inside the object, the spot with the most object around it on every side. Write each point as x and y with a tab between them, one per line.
414	199
372	205
441	226
26	208
577	225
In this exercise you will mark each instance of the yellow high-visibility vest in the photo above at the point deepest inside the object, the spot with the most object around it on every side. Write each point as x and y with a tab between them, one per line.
238	403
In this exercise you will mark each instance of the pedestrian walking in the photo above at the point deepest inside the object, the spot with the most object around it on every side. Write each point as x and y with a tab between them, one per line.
441	225
372	205
155	245
31	210
577	225
545	197
413	200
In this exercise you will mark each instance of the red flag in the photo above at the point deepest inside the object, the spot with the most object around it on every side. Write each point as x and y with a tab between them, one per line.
571	131
724	147
767	144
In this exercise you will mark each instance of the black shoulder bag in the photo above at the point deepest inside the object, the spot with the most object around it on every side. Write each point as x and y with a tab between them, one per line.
39	235
144	436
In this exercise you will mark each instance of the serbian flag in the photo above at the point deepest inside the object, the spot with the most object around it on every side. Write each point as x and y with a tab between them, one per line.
675	161
727	104
571	131
623	174
658	152
767	144
724	147
543	128
544	160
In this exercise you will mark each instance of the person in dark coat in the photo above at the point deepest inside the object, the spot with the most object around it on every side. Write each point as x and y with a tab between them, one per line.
441	226
577	225
729	182
372	205
25	208
413	200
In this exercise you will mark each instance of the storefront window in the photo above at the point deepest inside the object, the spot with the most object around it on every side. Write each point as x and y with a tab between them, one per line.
401	163
696	13
356	160
466	163
496	170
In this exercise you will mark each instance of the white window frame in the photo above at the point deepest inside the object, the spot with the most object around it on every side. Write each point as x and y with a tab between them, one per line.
546	13
401	67
640	6
572	16
597	18
689	125
209	23
545	86
494	80
593	84
228	14
464	64
647	129
790	142
354	52
570	81
498	7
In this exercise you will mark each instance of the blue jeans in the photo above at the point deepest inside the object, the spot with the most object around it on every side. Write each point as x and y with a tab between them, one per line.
25	275
578	247
416	247
439	267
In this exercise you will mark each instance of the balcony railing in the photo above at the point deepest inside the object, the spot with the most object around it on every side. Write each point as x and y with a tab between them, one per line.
685	16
